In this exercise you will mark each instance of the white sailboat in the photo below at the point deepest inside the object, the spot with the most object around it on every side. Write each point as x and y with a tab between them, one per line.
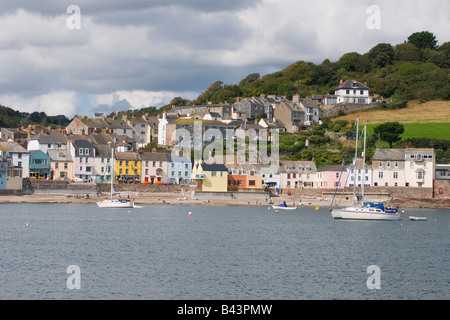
114	203
361	210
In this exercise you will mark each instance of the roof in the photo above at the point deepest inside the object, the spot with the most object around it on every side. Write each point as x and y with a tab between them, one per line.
82	144
177	158
47	138
203	122
352	84
131	156
102	150
118	124
59	155
296	166
94	123
214	167
389	154
308	103
330	168
13	147
154	156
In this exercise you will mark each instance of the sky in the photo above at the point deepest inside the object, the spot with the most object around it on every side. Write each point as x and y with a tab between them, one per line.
82	56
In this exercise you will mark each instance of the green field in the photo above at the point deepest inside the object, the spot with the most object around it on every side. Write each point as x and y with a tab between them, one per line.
422	130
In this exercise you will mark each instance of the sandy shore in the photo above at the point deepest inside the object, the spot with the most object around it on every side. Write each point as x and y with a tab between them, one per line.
177	198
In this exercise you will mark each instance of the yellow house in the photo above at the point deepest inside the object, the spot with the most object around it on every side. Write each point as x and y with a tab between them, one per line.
127	166
210	177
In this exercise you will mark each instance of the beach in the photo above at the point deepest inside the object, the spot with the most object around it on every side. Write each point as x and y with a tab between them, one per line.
162	198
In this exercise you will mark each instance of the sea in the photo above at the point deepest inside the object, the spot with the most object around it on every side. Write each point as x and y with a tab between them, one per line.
203	252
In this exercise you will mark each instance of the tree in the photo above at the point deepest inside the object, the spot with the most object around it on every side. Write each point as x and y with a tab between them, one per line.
349	61
381	55
407	52
423	40
389	132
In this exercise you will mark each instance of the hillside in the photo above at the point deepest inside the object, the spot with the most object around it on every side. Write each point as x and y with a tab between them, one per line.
415	112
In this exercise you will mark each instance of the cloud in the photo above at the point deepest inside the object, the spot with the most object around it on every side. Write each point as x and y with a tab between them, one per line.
140	53
52	103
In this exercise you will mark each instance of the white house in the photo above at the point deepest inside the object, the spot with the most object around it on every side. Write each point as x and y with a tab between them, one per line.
388	167
353	91
419	167
17	156
163	122
404	167
297	174
46	141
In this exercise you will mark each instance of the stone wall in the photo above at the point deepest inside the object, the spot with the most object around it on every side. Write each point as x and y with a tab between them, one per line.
333	110
442	189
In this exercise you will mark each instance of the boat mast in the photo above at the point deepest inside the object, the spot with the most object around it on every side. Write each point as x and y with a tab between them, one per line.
364	166
356	157
112	172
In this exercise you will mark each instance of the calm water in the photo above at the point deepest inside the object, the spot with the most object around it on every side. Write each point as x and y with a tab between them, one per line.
218	252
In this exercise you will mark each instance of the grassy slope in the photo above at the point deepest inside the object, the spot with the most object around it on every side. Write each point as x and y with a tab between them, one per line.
429	120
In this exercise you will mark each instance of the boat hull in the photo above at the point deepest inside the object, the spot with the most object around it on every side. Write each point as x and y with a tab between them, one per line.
362	214
115	204
284	208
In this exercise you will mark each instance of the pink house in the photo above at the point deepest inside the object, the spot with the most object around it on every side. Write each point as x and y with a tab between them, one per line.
328	177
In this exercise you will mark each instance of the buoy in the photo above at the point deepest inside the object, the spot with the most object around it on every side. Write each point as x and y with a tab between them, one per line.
317	208
276	211
403	211
190	213
70	208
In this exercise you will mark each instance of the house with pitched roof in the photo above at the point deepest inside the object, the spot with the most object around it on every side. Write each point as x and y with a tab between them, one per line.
61	165
85	126
83	155
39	165
352	91
48	141
209	177
127	166
154	167
18	156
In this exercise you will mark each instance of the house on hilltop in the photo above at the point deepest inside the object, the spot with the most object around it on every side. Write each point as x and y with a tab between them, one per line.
352	91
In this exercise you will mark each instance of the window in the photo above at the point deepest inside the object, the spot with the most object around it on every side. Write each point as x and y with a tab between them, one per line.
380	164
154	164
86	151
160	163
80	151
213	173
411	165
126	171
231	182
56	165
120	163
419	175
88	169
173	165
127	163
396	164
337	175
388	164
395	175
361	92
380	174
186	166
65	165
251	183
239	182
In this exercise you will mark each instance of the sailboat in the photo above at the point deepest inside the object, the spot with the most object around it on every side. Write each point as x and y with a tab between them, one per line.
361	210
114	203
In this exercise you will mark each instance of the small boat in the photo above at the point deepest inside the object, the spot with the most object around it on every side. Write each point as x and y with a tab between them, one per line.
284	208
413	218
115	203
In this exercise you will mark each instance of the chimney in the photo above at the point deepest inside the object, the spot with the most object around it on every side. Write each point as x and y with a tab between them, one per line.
124	117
